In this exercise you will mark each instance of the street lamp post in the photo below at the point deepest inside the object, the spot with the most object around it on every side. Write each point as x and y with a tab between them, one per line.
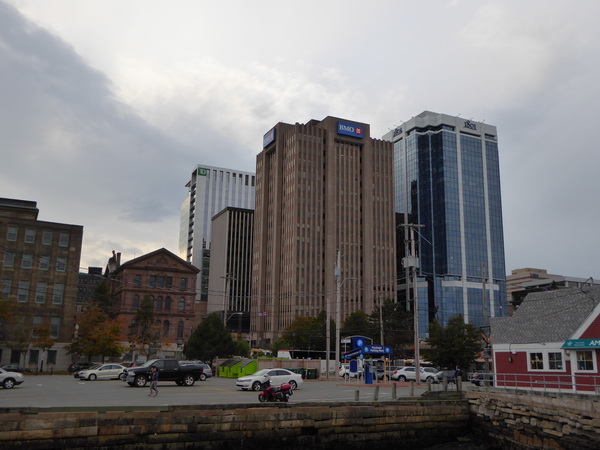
338	303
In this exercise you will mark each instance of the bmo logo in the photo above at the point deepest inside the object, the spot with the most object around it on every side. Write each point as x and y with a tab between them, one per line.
350	129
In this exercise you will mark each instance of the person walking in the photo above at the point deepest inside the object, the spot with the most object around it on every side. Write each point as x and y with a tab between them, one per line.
153	382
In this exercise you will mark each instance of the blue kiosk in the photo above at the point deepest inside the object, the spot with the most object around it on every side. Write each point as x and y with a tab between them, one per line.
361	351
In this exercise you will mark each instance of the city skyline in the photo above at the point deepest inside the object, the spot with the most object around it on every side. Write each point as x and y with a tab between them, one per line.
104	116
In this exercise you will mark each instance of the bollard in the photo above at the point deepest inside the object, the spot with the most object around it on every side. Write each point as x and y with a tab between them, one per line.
376	393
445	383
412	388
429	385
356	395
394	391
459	383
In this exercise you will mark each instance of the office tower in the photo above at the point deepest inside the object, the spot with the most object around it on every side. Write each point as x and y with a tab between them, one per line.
447	180
39	276
230	281
211	189
323	189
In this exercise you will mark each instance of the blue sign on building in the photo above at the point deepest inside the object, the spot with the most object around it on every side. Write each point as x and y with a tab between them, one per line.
269	137
350	129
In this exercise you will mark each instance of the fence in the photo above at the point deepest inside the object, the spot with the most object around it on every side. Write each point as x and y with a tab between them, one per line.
552	382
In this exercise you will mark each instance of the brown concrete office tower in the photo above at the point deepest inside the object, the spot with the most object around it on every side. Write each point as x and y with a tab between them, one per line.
322	188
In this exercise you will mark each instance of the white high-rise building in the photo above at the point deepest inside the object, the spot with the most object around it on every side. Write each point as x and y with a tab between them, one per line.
211	189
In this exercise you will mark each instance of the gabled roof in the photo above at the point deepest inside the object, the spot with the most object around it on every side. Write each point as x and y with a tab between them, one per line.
167	253
550	316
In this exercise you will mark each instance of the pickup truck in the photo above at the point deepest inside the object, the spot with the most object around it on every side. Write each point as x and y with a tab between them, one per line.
168	370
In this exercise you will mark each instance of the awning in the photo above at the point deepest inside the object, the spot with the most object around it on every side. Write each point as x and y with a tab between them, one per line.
581	343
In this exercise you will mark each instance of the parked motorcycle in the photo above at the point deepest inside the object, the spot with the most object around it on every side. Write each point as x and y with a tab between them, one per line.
274	393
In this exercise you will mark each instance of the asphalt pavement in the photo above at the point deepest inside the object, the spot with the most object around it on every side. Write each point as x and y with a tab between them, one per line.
48	391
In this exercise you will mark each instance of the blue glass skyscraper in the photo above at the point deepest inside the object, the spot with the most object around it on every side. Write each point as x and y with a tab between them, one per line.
447	180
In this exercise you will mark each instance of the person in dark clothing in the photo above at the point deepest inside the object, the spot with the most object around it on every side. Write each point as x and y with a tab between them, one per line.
153	382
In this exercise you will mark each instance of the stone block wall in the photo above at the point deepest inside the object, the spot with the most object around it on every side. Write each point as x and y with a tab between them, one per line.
532	420
413	422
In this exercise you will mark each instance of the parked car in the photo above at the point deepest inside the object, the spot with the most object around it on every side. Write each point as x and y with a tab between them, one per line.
481	379
344	372
206	370
277	377
15	368
408	373
102	372
168	370
75	367
8	380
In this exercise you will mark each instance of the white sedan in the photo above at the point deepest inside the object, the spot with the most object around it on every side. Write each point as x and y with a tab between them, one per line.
8	380
102	372
277	376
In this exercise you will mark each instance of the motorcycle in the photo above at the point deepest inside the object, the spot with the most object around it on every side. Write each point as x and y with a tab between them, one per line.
275	393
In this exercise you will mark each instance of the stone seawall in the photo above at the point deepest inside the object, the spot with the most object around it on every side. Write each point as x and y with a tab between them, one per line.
533	420
415	423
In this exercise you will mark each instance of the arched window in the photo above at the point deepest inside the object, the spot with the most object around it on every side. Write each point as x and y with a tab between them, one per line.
182	304
136	301
166	326
158	306
180	330
168	304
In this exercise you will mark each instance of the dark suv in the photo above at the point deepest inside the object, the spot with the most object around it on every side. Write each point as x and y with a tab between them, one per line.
76	367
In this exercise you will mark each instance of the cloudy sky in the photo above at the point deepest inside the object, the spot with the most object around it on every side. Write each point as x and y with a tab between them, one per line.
106	106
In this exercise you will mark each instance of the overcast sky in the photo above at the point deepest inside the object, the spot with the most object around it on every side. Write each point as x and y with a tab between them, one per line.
106	106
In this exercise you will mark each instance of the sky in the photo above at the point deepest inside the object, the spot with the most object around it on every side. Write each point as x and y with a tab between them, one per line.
107	106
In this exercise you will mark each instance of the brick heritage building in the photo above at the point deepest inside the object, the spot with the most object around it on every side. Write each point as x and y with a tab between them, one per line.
169	281
39	271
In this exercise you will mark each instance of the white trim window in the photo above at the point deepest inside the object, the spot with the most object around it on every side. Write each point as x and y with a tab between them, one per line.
546	361
585	361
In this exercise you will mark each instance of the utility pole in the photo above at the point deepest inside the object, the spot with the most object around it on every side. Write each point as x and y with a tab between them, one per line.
338	300
328	337
228	277
485	325
411	261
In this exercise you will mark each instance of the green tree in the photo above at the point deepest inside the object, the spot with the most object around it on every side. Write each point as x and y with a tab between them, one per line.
358	324
97	335
7	317
144	333
306	333
397	328
241	348
102	297
209	340
42	340
455	345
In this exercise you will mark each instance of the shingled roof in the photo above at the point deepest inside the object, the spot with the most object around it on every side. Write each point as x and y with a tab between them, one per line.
550	316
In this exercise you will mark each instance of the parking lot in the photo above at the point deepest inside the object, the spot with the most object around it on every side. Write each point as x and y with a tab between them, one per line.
66	391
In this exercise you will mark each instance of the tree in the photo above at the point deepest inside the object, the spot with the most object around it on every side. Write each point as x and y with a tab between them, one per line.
144	333
42	340
306	333
397	327
455	345
358	324
97	335
102	297
209	340
7	317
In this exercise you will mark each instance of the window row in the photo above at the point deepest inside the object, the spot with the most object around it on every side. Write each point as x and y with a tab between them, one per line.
160	281
40	293
165	328
27	262
30	235
553	361
159	303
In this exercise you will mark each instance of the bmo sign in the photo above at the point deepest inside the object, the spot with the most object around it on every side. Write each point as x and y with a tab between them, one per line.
349	129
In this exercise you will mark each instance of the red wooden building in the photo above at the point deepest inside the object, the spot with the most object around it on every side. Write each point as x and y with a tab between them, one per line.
552	342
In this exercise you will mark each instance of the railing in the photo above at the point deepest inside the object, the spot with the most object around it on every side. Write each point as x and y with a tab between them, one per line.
552	382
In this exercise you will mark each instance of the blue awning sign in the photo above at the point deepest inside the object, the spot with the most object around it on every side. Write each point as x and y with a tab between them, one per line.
581	343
